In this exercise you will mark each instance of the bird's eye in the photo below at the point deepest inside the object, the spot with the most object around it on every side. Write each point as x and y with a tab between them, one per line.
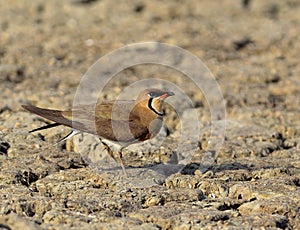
152	94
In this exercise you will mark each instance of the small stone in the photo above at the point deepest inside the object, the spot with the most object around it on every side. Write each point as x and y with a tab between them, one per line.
152	201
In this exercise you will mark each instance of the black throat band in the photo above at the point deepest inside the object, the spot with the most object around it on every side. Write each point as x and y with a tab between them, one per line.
151	107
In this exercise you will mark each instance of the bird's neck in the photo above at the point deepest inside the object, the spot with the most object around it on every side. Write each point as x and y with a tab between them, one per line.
155	106
148	113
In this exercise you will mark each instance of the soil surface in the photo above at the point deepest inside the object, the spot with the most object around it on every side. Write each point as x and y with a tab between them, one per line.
250	180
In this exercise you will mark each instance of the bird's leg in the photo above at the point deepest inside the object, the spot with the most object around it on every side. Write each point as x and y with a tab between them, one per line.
107	148
117	157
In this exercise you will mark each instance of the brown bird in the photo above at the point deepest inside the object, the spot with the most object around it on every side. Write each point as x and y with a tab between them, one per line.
118	123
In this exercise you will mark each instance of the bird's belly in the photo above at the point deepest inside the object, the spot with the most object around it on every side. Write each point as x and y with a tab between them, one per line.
116	145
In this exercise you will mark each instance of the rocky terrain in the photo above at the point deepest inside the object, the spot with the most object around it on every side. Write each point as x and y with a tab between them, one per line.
246	177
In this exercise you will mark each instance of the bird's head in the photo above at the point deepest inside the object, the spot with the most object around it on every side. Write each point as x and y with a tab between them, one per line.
153	98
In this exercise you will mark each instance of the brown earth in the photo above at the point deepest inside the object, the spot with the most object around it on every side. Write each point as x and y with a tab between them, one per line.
252	51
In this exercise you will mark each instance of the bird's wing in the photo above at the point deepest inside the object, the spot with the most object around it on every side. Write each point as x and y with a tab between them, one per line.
110	110
113	121
121	130
81	118
91	118
114	110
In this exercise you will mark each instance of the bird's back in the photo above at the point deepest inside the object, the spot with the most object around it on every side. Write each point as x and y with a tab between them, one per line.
113	120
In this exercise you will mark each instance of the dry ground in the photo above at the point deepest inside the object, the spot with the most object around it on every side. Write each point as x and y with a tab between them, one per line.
253	52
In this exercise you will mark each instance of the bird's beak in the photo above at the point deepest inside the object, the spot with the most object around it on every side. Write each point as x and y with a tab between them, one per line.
167	94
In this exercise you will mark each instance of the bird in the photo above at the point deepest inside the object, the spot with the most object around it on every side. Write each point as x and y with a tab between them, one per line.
117	123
